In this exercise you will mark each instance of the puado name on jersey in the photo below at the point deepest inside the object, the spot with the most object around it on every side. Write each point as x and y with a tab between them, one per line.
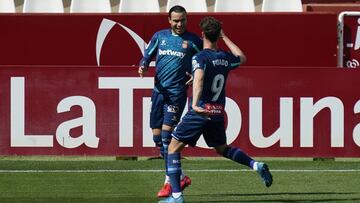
220	62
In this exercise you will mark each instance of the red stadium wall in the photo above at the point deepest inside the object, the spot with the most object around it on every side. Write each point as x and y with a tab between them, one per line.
55	100
104	111
268	39
334	8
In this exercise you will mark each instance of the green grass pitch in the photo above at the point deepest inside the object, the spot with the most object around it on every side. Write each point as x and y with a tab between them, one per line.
64	179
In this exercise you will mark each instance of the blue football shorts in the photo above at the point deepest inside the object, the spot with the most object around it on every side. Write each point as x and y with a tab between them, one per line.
166	110
193	125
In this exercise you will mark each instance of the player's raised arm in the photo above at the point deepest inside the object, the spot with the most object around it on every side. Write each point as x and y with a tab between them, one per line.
233	47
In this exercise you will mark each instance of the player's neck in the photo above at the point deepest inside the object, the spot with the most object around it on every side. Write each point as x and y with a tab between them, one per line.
210	45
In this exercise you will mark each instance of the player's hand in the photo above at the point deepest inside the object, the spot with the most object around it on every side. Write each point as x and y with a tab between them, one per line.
222	34
201	110
142	70
190	80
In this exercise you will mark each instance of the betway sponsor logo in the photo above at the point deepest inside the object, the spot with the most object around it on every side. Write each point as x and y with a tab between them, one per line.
171	53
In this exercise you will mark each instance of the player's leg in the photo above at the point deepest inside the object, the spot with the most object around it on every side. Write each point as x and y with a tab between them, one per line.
240	157
156	118
156	122
172	111
166	130
174	170
157	140
166	138
235	154
188	131
215	137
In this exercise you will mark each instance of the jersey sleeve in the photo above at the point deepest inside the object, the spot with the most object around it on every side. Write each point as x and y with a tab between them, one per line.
197	63
150	51
197	45
234	61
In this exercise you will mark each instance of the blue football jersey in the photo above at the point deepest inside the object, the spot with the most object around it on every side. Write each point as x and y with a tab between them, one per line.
173	59
216	65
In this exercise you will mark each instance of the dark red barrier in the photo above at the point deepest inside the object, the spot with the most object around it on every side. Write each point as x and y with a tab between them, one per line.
329	1
268	39
104	111
333	7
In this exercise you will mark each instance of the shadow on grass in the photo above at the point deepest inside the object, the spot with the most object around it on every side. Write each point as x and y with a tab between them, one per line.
282	193
288	201
272	197
77	200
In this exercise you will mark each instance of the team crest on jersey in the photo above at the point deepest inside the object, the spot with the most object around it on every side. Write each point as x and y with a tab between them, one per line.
185	44
163	42
195	64
172	109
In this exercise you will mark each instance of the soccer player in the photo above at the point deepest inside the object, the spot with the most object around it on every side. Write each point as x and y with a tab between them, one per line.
206	116
173	49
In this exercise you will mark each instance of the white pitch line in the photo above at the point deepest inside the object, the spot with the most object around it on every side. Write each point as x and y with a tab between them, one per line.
158	171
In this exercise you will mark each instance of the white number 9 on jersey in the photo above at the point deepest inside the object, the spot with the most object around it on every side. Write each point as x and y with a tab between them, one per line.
217	86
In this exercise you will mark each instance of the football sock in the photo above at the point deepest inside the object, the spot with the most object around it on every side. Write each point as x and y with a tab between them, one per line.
158	142
176	194
237	155
253	165
165	138
174	171
167	179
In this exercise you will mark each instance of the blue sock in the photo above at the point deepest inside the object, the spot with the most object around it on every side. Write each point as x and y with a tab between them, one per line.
166	138
158	142
238	156
174	171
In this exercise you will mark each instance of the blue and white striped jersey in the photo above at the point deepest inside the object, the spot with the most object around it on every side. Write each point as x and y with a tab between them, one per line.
173	59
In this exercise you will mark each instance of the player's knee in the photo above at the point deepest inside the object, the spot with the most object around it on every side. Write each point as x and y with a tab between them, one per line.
168	128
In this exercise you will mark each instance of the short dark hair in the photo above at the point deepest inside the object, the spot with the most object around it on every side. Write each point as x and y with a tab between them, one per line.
211	28
176	9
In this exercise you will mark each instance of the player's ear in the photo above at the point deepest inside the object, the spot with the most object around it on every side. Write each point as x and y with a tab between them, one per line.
202	35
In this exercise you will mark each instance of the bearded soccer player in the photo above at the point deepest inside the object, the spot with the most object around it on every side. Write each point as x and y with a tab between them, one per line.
206	116
173	49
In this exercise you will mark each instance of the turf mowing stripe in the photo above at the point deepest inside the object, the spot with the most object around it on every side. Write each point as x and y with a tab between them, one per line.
157	171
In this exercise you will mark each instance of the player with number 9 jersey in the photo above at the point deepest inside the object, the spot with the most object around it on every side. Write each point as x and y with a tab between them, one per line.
216	65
